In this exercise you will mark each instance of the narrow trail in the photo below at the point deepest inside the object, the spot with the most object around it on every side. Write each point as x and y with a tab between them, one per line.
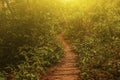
67	69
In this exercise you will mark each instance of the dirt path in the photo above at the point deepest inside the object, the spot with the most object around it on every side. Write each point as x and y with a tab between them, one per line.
67	69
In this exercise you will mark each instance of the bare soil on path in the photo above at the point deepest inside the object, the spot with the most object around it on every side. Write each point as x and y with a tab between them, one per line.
67	69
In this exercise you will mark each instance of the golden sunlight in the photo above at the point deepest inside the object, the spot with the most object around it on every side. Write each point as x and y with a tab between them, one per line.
67	1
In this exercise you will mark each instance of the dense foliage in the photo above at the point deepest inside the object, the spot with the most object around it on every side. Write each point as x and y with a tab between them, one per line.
95	36
28	43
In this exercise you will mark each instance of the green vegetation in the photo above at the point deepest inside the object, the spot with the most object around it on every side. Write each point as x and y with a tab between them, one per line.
95	36
28	43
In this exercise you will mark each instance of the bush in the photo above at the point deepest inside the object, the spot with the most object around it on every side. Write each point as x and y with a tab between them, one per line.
95	37
28	43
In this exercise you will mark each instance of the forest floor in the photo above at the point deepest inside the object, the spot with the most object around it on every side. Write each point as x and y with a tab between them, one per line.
67	68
